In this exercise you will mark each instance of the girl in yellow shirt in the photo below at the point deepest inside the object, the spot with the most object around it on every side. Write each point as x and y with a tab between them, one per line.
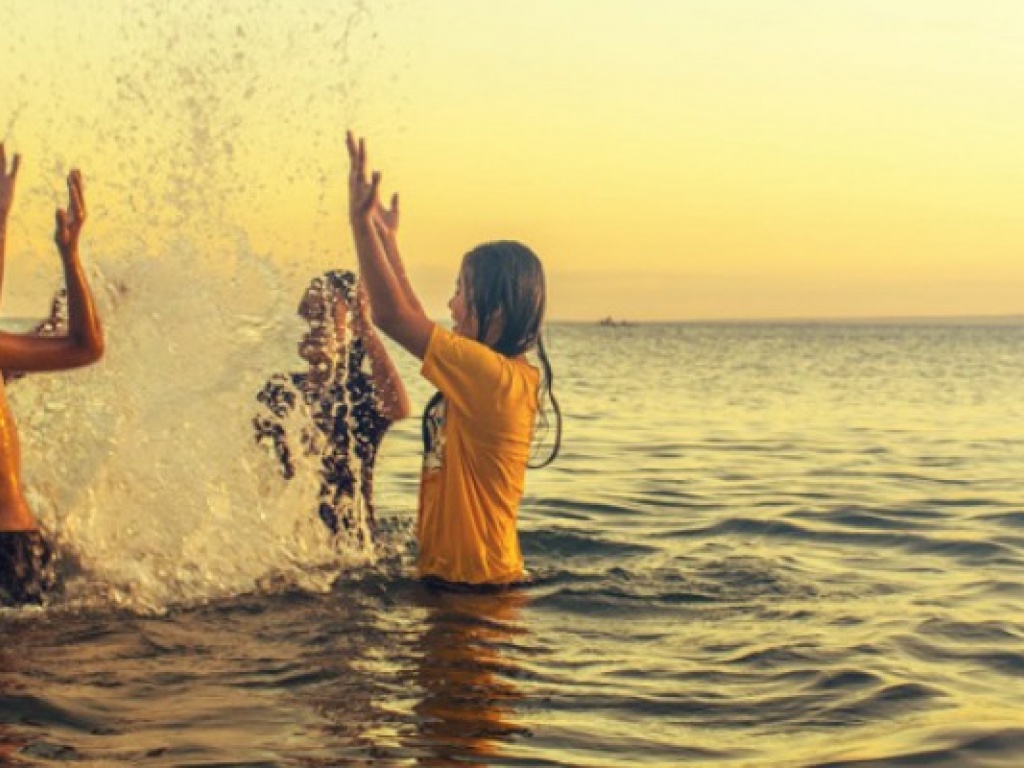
479	427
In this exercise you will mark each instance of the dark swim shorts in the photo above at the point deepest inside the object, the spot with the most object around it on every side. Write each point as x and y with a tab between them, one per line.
26	568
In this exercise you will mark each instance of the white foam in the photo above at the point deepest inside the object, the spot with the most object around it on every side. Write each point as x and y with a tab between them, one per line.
146	465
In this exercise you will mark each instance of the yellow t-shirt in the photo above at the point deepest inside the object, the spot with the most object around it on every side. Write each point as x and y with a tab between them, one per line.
474	467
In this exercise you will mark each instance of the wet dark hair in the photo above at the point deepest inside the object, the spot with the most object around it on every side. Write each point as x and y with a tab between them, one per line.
506	286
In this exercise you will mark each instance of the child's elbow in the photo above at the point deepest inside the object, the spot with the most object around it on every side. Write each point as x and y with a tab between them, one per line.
91	349
396	411
403	407
97	349
401	411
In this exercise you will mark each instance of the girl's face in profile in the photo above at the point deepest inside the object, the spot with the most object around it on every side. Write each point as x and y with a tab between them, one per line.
463	319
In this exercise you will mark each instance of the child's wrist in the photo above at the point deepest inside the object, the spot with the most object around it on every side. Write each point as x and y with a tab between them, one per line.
360	224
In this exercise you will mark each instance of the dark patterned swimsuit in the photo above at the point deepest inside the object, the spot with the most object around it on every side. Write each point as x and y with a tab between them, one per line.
345	426
26	568
336	430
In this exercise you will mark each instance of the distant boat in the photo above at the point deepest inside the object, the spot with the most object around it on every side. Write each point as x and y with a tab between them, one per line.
611	322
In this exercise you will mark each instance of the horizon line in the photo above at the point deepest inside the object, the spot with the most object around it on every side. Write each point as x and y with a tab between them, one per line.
1004	318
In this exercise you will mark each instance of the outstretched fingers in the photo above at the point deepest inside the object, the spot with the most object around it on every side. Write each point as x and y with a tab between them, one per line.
372	199
15	163
69	220
356	157
76	196
7	183
60	232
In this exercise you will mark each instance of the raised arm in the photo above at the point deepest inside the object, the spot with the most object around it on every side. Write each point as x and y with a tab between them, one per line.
83	321
7	181
391	394
395	309
385	222
83	343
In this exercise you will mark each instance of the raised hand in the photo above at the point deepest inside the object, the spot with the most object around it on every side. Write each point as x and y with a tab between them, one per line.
7	182
395	309
386	219
83	343
70	221
363	195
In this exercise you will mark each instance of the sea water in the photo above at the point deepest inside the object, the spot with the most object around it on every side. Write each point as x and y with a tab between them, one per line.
762	545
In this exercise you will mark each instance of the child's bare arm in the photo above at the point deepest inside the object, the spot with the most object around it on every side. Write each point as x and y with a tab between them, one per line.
391	394
396	310
84	342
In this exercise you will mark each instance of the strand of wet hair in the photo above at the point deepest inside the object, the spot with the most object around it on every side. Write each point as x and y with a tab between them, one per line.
548	386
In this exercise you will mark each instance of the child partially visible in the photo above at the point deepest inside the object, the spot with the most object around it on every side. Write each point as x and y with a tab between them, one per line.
346	399
26	573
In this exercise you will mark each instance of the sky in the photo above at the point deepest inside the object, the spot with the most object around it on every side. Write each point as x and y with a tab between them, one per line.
668	159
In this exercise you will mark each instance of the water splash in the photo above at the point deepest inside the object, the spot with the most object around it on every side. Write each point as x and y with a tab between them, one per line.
197	125
146	467
189	120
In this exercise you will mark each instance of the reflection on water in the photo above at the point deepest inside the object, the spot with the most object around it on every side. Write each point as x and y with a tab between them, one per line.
467	709
406	672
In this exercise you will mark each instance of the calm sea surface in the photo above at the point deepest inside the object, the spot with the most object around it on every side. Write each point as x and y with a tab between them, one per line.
763	545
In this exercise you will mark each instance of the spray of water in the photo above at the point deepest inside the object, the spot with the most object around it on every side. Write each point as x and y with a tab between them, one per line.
144	467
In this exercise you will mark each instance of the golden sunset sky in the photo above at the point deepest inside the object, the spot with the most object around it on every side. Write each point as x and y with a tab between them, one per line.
668	159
